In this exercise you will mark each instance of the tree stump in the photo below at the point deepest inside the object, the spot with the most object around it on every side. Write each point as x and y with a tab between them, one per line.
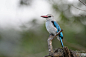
65	52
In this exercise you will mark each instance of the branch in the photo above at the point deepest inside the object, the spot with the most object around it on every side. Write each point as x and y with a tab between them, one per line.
50	47
79	8
57	34
82	2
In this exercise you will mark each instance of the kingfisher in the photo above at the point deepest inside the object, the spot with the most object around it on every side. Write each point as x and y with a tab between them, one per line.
52	27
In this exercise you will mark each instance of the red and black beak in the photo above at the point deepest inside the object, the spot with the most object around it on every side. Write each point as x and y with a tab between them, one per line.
44	16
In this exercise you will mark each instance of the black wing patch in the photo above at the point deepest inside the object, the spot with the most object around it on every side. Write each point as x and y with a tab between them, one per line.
53	23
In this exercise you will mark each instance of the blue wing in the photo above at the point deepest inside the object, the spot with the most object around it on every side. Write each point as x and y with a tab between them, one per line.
58	28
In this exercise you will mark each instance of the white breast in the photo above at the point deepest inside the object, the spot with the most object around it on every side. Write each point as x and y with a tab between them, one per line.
50	28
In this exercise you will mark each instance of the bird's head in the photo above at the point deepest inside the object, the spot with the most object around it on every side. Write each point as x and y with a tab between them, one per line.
48	17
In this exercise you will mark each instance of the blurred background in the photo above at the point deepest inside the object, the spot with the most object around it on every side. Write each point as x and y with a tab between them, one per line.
23	32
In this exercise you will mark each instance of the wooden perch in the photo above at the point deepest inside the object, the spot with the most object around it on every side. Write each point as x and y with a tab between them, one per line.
51	37
61	52
65	52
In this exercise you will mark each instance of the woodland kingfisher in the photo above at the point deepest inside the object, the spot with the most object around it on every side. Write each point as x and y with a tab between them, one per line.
52	27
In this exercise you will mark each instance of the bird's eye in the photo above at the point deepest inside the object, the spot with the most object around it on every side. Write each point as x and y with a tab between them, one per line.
49	16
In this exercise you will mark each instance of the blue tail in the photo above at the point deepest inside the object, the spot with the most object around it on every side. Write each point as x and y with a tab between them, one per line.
61	42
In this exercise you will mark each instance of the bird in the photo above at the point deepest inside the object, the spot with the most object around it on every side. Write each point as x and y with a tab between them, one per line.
53	27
